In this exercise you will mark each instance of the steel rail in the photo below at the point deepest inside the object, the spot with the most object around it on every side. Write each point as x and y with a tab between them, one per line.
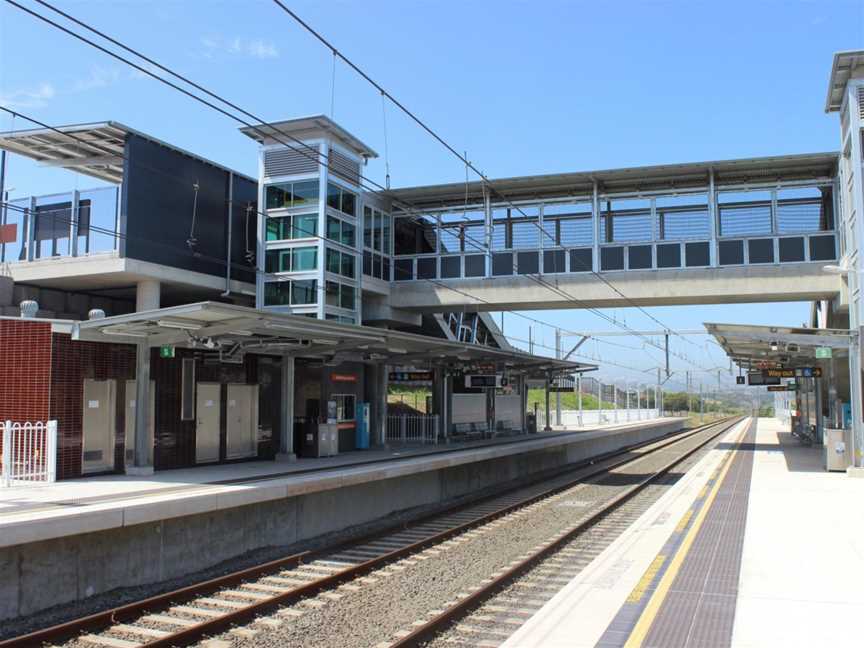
131	611
426	632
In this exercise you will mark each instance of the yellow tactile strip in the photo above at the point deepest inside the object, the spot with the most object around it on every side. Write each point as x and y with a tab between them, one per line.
655	608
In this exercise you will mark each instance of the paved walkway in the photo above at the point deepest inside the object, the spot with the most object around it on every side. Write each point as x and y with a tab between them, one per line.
755	546
105	488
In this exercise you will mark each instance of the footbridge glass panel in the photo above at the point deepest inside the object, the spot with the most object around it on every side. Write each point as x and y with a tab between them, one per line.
75	223
703	227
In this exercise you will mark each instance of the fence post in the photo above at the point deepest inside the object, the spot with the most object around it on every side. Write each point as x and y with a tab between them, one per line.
403	420
7	453
51	463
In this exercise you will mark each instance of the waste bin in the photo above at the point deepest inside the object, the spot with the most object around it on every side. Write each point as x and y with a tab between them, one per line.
531	423
836	449
320	440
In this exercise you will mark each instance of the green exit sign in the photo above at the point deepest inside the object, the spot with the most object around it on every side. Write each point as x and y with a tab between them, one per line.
823	352
166	351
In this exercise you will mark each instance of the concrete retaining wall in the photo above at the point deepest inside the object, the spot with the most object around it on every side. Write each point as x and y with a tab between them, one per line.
39	575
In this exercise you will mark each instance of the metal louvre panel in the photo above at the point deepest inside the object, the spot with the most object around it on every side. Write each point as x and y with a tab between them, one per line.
861	102
344	167
288	161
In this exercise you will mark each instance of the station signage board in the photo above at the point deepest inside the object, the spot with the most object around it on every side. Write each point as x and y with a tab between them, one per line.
477	381
760	378
562	384
8	233
798	372
782	388
343	378
410	376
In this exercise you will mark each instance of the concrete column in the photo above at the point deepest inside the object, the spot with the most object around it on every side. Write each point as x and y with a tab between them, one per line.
142	463
547	427
557	357
817	397
148	295
447	405
627	387
381	386
286	411
579	396
599	402
523	400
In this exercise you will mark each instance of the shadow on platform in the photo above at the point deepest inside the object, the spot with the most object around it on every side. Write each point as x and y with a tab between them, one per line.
799	458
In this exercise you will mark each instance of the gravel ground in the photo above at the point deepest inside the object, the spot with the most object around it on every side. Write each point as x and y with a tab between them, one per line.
405	591
587	545
377	611
61	613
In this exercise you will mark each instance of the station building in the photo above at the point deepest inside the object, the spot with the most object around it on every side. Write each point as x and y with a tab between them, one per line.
301	290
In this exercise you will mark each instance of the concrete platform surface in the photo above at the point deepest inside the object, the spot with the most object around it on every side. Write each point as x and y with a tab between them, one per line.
802	557
30	514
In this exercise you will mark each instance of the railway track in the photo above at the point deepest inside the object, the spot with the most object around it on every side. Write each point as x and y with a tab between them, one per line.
291	587
496	608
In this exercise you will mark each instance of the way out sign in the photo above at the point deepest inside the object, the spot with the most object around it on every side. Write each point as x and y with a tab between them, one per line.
166	351
823	352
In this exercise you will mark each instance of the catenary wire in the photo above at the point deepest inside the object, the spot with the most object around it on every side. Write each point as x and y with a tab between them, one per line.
537	279
443	142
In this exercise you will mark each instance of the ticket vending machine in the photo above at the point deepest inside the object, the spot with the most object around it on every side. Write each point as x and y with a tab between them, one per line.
361	439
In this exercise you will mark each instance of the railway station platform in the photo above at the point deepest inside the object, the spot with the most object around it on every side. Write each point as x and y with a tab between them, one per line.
72	539
756	545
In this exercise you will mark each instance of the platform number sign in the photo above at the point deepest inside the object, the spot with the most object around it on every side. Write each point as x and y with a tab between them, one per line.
739	380
166	351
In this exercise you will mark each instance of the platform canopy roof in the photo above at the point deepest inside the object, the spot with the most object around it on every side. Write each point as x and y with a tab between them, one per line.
95	149
231	331
753	346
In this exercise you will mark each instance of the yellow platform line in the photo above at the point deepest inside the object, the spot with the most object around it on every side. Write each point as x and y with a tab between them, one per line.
640	630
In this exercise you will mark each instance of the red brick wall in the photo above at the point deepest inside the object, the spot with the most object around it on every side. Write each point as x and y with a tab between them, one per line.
71	363
25	366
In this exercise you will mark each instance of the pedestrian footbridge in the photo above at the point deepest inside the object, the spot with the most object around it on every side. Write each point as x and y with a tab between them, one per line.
751	230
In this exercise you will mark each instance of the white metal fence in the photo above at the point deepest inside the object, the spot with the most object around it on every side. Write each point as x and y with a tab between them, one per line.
571	418
412	429
29	453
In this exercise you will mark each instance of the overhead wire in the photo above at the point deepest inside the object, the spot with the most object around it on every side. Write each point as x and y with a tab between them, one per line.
487	182
303	150
199	255
148	72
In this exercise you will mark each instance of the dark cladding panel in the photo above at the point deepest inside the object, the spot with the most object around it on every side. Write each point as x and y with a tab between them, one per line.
668	255
157	205
792	249
697	254
761	250
639	257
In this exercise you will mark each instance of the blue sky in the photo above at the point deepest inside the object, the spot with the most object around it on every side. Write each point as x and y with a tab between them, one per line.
524	87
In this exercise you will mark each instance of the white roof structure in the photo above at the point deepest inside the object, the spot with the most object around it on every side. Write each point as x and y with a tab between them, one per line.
304	128
232	330
844	66
749	345
95	149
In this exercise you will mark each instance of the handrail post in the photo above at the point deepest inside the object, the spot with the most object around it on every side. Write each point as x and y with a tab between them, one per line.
7	453
51	450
